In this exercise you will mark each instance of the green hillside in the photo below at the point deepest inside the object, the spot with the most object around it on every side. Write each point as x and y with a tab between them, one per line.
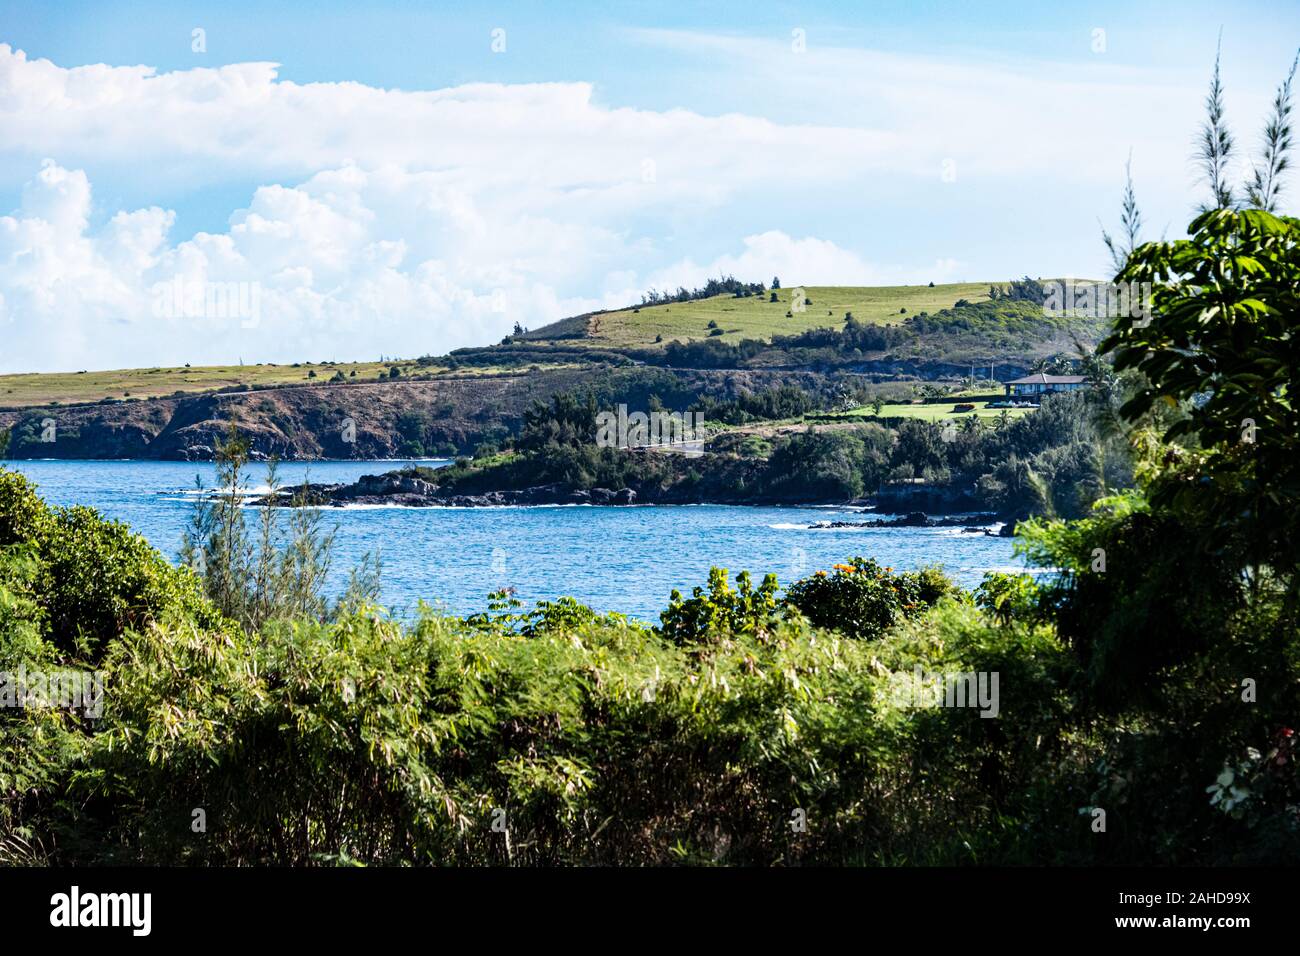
935	411
69	388
918	321
756	317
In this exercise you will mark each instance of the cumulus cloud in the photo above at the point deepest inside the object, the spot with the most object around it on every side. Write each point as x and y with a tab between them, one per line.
389	222
347	263
802	261
551	141
401	222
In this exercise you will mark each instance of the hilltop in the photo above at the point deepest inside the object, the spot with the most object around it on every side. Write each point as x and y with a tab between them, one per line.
616	333
755	316
895	332
750	354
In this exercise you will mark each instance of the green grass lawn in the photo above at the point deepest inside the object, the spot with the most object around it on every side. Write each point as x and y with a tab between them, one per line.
757	318
936	412
71	388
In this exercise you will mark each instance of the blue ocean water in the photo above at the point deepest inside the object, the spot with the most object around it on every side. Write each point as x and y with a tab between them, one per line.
613	558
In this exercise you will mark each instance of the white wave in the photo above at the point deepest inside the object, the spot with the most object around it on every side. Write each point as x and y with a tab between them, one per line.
1010	569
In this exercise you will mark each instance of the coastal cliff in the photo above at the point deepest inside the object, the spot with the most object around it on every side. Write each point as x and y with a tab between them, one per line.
442	416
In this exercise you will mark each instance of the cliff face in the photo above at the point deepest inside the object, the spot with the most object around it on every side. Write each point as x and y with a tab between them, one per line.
336	421
364	421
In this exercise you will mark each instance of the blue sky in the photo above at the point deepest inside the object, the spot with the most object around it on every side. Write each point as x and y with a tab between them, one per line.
394	185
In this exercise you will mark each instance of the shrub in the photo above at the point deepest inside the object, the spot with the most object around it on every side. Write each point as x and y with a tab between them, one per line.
1008	597
863	599
22	512
720	611
95	578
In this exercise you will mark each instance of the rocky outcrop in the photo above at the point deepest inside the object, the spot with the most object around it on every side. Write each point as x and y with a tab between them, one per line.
396	488
410	489
917	519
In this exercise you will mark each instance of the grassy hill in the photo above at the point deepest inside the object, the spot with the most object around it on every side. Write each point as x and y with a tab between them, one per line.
919	320
755	317
75	388
935	412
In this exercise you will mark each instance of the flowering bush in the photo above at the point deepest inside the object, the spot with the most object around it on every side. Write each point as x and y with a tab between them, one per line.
863	599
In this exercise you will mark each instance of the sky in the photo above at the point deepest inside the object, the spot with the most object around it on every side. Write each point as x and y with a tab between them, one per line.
222	182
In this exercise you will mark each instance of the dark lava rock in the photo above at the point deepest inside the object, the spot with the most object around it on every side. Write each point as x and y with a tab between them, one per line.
916	519
410	491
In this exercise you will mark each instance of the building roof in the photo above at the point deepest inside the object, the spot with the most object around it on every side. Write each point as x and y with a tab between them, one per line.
1043	379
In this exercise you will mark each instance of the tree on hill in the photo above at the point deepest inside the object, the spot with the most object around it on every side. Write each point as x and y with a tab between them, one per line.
724	285
1019	290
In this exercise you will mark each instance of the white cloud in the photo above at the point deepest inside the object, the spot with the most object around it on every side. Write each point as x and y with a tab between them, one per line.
805	261
400	222
337	268
548	141
391	222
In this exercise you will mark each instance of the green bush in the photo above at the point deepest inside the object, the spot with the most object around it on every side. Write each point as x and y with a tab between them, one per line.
36	746
22	512
359	741
1008	597
720	611
863	599
95	579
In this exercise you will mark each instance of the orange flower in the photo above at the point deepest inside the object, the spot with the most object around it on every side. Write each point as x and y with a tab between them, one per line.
846	568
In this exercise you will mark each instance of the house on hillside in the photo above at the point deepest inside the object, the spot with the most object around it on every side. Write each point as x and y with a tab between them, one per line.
1040	383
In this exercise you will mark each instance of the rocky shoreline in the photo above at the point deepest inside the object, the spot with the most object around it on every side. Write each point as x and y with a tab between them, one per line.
919	519
411	491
